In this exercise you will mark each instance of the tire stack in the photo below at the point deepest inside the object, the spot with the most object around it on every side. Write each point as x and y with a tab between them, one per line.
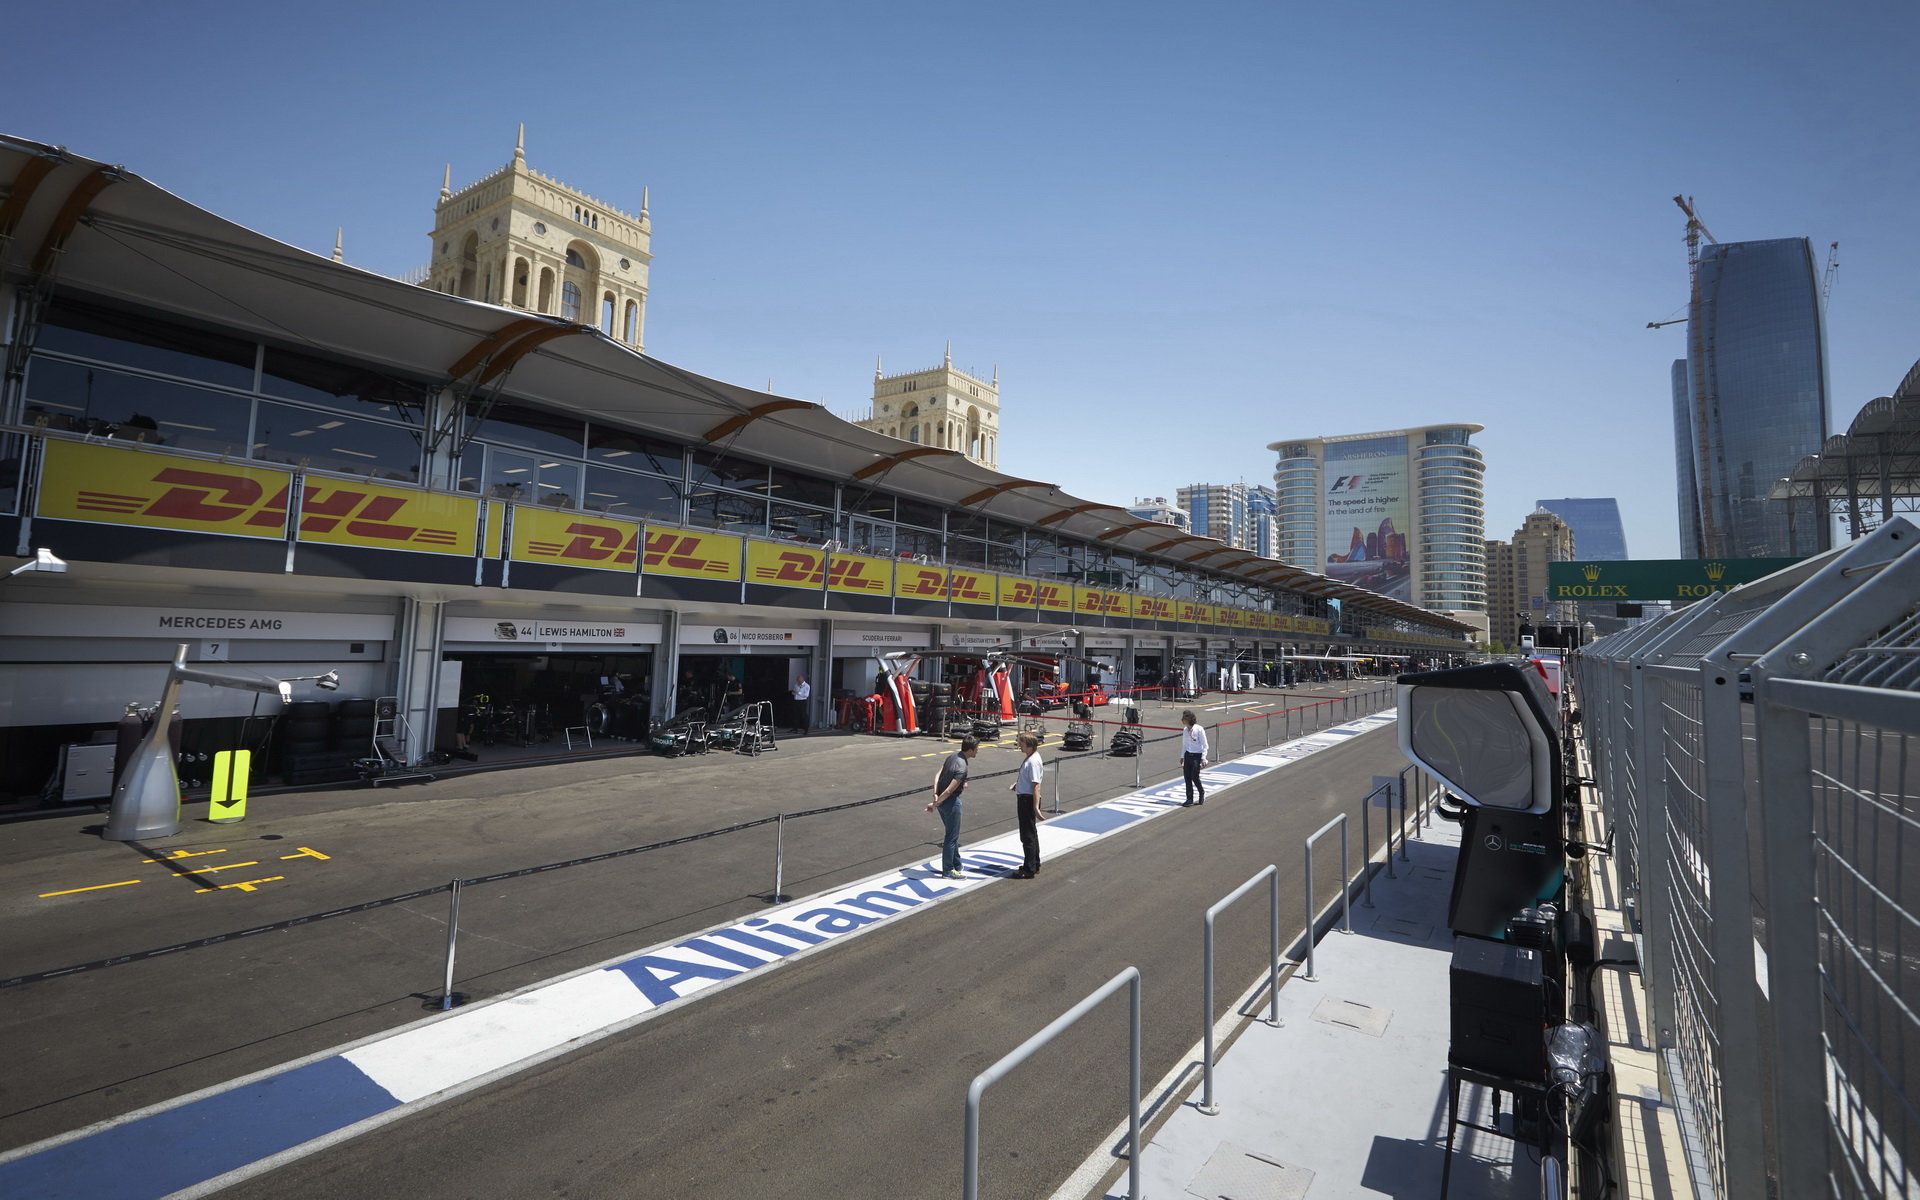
309	752
1077	738
1125	743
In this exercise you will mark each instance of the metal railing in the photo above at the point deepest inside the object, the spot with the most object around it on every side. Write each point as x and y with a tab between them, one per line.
1346	891
1272	875
1779	724
1129	979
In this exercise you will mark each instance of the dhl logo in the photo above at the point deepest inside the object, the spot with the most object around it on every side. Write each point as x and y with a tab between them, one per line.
686	552
1150	609
791	568
1017	593
588	543
1052	595
968	588
921	584
328	512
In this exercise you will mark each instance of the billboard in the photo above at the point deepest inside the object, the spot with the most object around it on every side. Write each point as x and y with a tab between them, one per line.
1365	510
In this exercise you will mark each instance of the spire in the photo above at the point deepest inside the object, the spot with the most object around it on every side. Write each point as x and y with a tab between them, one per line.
339	239
876	368
947	362
644	192
996	374
520	147
446	184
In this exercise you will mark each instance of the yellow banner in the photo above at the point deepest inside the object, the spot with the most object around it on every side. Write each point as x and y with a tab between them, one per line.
1187	612
860	574
1232	618
691	555
1015	592
966	586
783	566
119	486
544	535
340	512
1153	608
914	582
1096	602
1054	597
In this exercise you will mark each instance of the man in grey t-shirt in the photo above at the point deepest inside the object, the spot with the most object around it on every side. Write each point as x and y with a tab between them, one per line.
947	787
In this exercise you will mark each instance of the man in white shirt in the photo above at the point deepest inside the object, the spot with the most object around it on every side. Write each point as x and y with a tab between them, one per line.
802	718
1193	753
1026	790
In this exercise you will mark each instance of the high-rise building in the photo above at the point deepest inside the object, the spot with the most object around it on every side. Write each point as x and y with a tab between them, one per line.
520	238
1686	487
1595	521
940	406
1400	512
1756	397
1239	514
1156	508
1517	577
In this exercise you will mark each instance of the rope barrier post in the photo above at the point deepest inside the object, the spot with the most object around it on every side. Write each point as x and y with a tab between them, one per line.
1243	737
1346	892
448	998
779	895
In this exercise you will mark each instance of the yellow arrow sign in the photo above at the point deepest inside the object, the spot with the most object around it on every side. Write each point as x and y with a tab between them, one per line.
231	770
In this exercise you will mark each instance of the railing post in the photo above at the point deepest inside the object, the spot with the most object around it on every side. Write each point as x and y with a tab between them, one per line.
1271	873
1311	976
1058	775
1366	851
449	997
779	895
1346	877
1243	737
970	1167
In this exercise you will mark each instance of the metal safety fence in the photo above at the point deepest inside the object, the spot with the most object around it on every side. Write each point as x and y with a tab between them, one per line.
1757	758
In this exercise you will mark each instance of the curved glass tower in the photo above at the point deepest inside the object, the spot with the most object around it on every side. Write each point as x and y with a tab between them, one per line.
1401	512
1756	397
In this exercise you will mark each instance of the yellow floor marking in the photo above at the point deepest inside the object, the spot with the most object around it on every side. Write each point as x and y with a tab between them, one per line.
308	852
96	887
193	853
226	867
245	887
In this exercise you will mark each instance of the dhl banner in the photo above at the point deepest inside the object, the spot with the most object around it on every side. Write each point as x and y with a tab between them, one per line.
162	491
1096	602
1153	608
1053	597
860	575
966	586
1015	592
117	486
545	535
1233	618
783	566
691	555
350	513
914	582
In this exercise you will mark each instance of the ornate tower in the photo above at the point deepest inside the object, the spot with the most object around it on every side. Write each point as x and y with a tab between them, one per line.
522	239
941	406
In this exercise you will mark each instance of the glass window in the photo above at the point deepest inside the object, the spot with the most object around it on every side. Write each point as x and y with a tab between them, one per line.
919	543
530	479
877	505
966	523
796	488
307	438
718	470
570	298
12	446
728	510
341	386
913	512
633	450
965	552
868	537
800	524
631	495
146	344
518	425
103	403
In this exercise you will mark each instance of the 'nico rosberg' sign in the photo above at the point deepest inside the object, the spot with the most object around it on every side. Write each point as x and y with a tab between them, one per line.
1657	578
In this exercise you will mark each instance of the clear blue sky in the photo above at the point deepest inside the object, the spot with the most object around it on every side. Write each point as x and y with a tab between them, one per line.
1181	232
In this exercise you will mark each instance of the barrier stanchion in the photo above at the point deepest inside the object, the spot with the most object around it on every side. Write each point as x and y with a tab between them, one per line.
1346	906
1272	875
448	998
1366	849
1058	763
779	895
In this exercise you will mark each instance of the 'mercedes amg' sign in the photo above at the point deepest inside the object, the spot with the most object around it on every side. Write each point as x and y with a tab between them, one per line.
1656	578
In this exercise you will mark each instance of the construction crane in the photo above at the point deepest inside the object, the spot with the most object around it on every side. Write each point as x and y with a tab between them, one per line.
1696	229
1833	264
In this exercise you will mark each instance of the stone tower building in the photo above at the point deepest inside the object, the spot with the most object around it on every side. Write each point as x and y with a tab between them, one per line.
523	239
940	406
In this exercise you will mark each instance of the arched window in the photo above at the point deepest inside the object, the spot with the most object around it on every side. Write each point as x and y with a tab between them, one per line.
913	435
520	282
633	323
607	309
469	266
570	300
574	259
546	290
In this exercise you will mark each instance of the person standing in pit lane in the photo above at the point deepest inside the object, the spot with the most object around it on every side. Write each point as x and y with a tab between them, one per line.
947	787
802	695
1026	789
1193	754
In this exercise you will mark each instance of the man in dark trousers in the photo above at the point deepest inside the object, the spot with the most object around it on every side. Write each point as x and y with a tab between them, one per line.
947	787
802	700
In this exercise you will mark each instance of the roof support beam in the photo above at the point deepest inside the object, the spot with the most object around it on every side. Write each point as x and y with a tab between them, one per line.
733	425
1158	547
882	466
986	494
69	216
1066	513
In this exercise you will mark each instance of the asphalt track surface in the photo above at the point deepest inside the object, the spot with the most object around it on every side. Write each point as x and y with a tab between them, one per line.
840	1074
